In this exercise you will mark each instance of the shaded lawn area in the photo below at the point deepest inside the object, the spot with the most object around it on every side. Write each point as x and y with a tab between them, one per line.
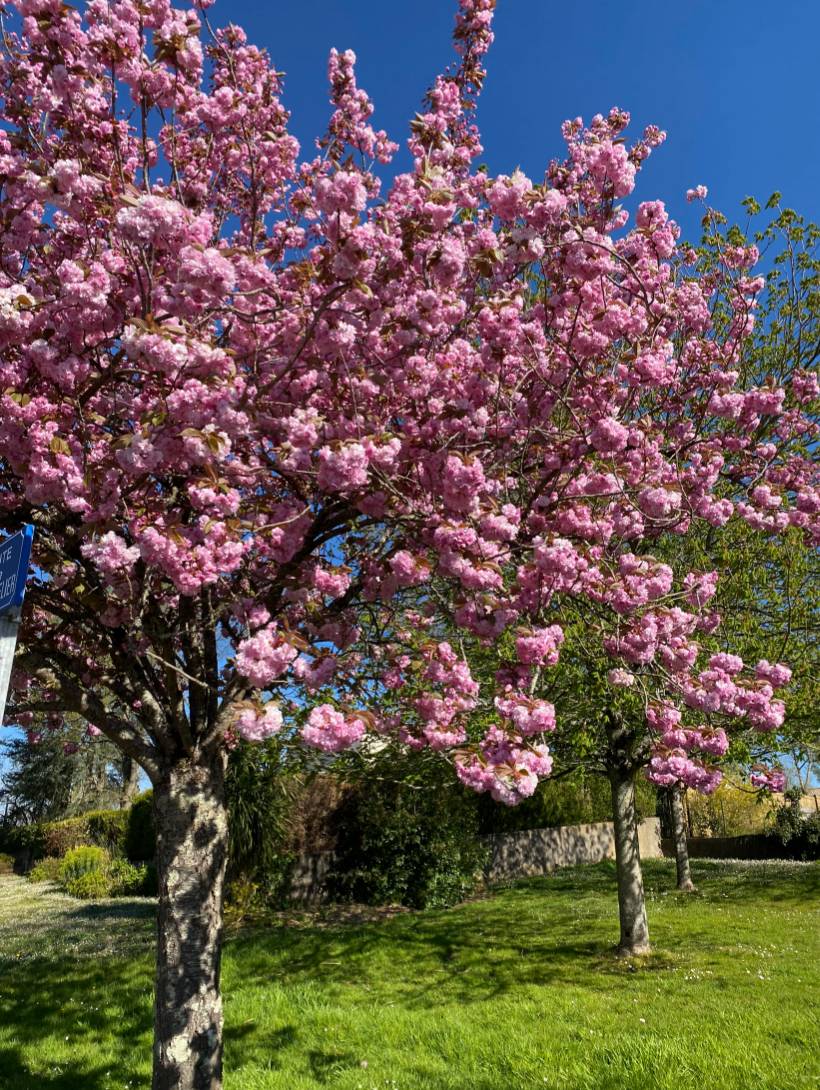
516	990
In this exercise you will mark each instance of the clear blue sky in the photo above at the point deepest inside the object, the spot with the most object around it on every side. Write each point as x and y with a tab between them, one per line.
734	82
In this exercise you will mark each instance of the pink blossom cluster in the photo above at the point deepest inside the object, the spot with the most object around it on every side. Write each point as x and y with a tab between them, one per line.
255	723
331	730
263	657
504	767
673	767
768	779
440	725
528	715
539	646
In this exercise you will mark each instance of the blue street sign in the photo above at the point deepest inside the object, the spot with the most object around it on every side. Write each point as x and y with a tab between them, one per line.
14	557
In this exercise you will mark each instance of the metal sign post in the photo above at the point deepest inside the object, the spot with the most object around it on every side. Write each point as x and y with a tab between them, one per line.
15	552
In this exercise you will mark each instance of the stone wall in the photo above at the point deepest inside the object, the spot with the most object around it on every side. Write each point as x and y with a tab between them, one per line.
539	851
513	855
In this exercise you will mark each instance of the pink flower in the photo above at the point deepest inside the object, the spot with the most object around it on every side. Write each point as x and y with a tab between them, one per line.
659	503
330	730
769	779
264	657
111	555
778	675
342	469
255	724
540	646
608	435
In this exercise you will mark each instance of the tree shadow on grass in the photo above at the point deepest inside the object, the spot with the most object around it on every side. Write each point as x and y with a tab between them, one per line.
82	999
252	1043
472	953
554	930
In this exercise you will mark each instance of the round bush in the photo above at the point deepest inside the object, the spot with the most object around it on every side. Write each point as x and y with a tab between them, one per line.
47	870
80	861
127	879
90	886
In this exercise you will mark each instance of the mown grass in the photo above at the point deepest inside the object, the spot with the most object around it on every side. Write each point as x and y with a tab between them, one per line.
516	990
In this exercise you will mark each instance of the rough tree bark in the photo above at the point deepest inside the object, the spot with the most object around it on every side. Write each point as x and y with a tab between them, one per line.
685	883
621	767
192	847
130	773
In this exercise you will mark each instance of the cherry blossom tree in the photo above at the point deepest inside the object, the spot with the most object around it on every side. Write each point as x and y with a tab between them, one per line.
249	401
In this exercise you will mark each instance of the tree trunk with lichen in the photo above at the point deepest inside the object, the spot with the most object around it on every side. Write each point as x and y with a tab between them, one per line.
192	846
685	883
621	768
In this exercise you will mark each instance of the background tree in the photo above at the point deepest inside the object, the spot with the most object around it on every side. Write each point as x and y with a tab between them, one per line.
60	770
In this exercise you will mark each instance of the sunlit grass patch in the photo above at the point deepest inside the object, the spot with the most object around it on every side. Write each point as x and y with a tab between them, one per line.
518	989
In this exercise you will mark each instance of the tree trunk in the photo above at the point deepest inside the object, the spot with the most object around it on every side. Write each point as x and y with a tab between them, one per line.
192	843
130	773
631	903
685	883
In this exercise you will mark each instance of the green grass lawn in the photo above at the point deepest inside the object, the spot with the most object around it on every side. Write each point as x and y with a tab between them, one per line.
516	990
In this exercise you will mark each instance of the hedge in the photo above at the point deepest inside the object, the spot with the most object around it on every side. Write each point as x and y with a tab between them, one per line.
128	833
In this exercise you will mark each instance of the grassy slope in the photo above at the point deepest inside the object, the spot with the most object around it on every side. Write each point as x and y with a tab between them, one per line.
518	990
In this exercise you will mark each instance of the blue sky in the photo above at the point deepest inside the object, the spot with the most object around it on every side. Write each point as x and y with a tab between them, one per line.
734	83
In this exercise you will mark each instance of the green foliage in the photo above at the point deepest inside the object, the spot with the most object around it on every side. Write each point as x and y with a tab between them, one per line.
81	861
128	879
150	886
23	838
43	782
794	829
101	828
410	843
140	836
6	864
243	901
91	885
46	870
577	799
730	811
60	837
107	828
258	795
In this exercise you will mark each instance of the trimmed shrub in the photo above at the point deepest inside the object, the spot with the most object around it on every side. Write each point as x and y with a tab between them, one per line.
150	885
60	837
90	885
107	828
799	833
83	860
47	870
22	840
405	844
128	879
140	836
